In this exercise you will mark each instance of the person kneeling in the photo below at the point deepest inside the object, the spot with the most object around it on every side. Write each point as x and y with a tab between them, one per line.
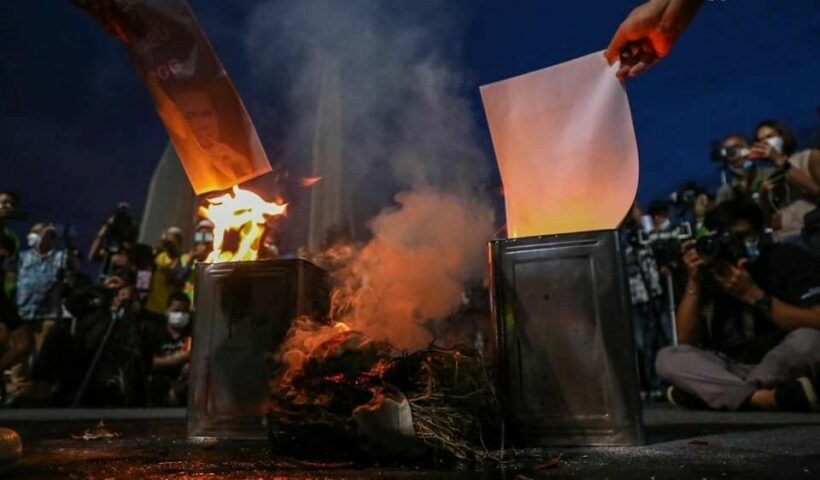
748	322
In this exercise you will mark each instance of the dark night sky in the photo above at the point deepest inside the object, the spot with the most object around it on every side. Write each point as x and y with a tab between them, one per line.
80	133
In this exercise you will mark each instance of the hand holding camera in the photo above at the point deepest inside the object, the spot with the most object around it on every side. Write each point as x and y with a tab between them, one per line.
692	261
737	281
765	149
723	253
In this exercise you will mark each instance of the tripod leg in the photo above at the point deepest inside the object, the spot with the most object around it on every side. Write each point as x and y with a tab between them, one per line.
93	366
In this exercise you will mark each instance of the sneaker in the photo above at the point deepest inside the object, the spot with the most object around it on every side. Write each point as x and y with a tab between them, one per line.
798	395
686	400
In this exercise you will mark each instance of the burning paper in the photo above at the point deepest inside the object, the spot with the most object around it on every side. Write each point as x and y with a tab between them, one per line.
205	118
239	220
565	147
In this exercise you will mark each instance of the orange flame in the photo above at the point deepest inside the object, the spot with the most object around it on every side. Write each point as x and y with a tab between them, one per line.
308	182
244	213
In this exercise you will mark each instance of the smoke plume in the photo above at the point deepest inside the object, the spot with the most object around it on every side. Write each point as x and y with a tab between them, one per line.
413	168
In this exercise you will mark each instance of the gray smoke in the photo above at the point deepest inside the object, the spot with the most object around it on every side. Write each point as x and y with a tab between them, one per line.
405	126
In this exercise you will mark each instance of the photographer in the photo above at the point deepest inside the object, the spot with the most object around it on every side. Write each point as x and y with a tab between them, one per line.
108	362
747	324
790	192
746	177
115	237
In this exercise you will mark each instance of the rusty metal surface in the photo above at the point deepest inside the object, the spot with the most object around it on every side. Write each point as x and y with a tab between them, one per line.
564	340
243	311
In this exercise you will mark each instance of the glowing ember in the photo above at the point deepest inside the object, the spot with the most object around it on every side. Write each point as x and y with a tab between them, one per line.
308	182
239	216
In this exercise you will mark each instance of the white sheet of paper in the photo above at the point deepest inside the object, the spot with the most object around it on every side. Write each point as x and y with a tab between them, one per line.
565	146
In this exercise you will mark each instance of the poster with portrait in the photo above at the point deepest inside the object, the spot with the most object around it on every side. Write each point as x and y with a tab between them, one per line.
205	118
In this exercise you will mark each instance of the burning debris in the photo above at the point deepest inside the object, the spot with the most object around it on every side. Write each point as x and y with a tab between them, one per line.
371	375
334	387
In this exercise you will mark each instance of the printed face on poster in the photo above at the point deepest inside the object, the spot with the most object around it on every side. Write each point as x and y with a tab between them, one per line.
205	118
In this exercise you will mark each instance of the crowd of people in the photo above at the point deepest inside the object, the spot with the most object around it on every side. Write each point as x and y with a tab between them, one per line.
121	337
725	285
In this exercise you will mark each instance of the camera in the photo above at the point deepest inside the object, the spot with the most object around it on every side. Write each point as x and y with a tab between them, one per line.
722	153
122	230
684	198
721	245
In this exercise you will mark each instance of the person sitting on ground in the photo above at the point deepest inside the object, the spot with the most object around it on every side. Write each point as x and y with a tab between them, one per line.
748	328
111	335
168	346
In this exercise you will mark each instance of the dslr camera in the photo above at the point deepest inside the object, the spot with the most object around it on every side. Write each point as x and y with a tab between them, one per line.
122	231
721	245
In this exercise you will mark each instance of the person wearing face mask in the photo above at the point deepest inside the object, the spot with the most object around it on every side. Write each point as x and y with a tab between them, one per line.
39	280
747	328
168	346
746	177
791	191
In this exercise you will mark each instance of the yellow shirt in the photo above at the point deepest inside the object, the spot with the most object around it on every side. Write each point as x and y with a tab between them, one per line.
161	287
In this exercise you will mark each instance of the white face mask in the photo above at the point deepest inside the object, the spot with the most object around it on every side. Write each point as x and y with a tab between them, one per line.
33	240
776	143
179	320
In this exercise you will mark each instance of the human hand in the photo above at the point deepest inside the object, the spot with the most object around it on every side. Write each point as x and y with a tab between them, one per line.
761	150
691	260
737	281
649	33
